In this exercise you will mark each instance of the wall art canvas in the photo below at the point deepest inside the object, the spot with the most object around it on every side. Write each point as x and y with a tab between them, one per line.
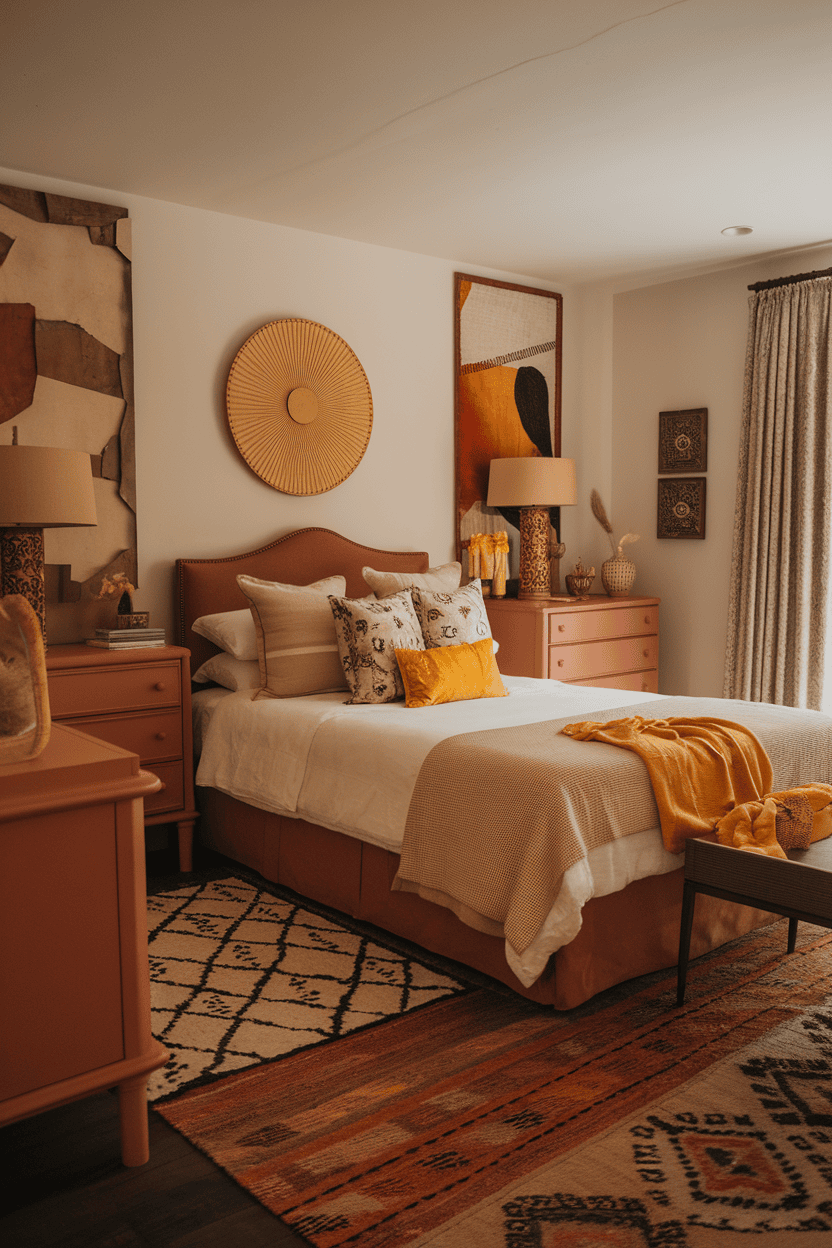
66	380
681	507
508	394
683	441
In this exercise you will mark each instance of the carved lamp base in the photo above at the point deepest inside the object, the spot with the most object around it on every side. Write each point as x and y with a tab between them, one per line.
534	553
21	560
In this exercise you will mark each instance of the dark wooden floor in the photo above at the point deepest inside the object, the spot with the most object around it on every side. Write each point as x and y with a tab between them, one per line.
62	1184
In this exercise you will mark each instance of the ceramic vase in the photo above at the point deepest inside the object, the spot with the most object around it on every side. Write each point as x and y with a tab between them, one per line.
617	576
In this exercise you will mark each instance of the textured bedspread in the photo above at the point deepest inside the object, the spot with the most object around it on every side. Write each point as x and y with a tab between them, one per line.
498	817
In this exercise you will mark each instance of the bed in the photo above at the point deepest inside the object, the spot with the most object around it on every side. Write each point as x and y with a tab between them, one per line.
617	919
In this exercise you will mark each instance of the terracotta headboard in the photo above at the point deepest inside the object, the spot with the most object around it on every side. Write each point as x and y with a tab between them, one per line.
204	586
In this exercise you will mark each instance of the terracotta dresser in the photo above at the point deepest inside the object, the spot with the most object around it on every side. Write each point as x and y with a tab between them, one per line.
141	700
595	641
74	980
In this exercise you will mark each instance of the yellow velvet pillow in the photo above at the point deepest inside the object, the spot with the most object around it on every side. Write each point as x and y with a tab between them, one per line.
450	673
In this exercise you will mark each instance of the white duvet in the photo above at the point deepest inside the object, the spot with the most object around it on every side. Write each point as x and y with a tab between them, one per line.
353	768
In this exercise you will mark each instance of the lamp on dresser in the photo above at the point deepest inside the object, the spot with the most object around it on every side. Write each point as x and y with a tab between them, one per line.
534	484
40	487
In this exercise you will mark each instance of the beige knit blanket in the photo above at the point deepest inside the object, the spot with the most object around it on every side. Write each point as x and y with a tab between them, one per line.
497	817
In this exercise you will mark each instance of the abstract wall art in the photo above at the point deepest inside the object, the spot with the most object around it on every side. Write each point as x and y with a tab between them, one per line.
66	379
508	344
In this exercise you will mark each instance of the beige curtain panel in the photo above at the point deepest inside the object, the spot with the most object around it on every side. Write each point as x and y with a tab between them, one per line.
780	564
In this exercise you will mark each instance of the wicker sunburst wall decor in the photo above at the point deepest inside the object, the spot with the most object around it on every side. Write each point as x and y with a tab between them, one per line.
299	406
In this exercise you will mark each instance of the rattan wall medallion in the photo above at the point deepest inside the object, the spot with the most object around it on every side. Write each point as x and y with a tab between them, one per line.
299	406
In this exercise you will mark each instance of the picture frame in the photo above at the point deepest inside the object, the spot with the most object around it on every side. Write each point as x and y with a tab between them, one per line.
507	390
681	507
25	720
683	441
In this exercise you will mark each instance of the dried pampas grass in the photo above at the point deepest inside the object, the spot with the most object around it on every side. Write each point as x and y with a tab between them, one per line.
601	516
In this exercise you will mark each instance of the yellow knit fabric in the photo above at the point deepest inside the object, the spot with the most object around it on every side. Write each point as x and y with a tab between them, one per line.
753	825
700	768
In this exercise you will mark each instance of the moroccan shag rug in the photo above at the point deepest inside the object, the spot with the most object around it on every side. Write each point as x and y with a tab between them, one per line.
482	1120
240	975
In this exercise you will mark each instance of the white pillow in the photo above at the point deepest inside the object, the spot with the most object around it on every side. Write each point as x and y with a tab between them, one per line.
445	577
223	669
232	631
296	644
450	619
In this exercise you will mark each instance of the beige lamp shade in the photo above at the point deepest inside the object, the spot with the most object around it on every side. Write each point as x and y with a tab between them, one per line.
45	487
532	481
299	406
41	487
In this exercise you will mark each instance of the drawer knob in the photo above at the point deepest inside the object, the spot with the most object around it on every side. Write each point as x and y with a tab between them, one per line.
646	654
160	685
560	662
160	736
647	619
561	628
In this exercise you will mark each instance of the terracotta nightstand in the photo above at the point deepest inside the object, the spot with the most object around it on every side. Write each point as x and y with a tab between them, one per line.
140	700
612	642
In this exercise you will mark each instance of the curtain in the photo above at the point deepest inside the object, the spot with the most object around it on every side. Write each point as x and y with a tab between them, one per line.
781	551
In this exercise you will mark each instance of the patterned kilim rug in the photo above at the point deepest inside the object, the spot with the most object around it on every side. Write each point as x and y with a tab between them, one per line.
483	1121
240	976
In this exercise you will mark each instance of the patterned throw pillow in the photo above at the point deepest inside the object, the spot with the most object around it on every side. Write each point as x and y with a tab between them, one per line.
369	632
450	619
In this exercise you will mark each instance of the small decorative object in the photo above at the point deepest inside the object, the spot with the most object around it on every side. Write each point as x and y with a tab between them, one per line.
619	572
681	507
488	560
683	441
126	617
299	406
556	552
25	721
579	580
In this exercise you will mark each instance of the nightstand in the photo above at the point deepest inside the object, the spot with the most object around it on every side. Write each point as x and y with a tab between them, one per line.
140	700
593	641
74	979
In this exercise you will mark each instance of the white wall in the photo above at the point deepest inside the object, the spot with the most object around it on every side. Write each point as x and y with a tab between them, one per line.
672	346
202	282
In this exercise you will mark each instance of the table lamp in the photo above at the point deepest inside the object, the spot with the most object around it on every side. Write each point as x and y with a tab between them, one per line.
40	487
534	484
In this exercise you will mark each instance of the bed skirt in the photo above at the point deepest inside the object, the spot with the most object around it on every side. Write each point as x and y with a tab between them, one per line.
625	934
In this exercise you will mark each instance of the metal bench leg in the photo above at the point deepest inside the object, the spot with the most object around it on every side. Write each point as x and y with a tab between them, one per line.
792	935
688	904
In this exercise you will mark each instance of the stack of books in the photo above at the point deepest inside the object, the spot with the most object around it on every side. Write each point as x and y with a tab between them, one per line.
126	638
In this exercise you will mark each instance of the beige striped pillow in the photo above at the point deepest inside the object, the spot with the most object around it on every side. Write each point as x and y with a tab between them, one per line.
296	644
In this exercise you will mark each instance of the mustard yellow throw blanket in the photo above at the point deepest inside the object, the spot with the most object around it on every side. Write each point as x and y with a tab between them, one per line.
713	775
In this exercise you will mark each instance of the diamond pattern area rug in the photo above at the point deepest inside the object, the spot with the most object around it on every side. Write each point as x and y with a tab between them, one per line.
240	976
483	1121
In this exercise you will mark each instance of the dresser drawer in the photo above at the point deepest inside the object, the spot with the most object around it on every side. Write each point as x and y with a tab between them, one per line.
596	658
85	691
638	682
172	794
566	626
157	734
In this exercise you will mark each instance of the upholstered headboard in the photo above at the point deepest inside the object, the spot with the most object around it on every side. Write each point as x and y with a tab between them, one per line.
204	586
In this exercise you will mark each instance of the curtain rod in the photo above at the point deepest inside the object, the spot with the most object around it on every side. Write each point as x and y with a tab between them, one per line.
788	281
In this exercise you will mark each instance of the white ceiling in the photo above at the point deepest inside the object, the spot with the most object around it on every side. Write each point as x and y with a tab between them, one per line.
568	140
